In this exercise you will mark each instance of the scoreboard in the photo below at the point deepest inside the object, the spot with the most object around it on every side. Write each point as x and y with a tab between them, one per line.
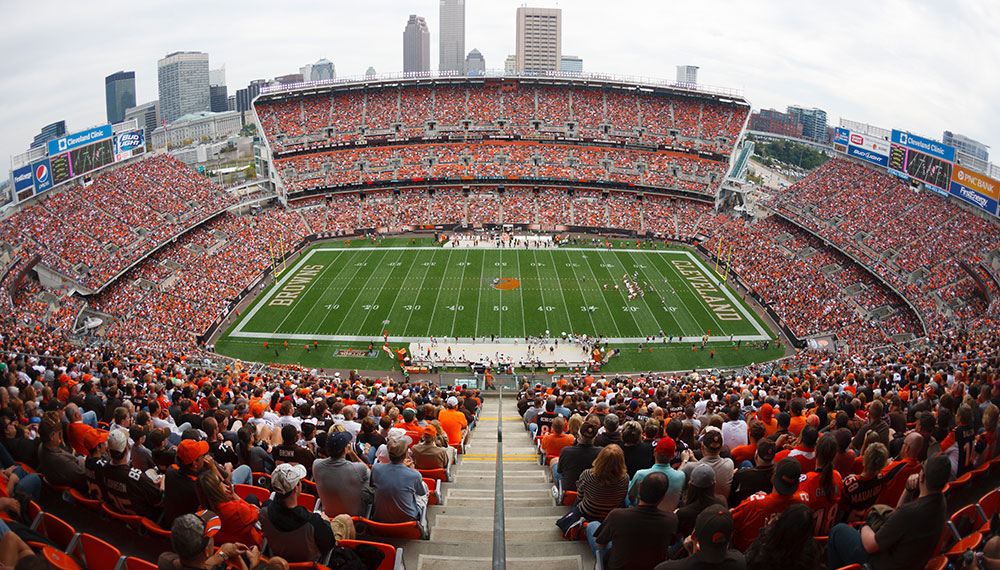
61	171
90	157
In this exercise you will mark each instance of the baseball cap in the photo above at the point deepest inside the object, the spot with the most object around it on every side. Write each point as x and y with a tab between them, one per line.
786	476
765	449
337	441
94	437
397	445
666	447
118	440
588	430
703	476
430	430
452	401
712	440
286	476
257	409
409	414
189	534
189	450
713	529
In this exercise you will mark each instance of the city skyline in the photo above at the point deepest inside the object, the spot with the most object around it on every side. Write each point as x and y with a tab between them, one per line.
856	62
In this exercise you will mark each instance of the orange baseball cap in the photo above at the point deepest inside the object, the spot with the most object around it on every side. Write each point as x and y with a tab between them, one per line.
190	450
94	437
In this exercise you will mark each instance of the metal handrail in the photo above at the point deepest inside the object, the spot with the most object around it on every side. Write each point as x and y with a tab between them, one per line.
499	541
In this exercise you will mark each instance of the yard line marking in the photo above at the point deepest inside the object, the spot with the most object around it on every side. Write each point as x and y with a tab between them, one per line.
447	263
379	294
683	305
290	309
657	325
357	297
621	290
658	275
584	297
569	319
611	316
479	297
541	289
500	315
458	297
524	317
427	270
413	259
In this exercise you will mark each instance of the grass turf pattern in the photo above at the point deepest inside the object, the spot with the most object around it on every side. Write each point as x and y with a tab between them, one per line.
341	294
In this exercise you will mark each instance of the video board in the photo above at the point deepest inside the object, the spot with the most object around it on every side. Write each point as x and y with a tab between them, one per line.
61	171
930	162
90	157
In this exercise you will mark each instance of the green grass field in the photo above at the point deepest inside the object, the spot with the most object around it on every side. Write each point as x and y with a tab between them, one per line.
347	296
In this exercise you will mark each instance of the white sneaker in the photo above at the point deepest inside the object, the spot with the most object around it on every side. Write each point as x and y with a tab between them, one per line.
555	492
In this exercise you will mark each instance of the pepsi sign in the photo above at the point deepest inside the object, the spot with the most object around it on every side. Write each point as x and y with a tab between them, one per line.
22	178
41	174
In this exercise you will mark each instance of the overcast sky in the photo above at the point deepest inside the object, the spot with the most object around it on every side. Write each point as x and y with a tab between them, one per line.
923	66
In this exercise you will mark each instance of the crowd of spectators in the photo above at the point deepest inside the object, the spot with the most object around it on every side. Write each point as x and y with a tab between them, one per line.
352	166
315	121
893	230
116	220
782	460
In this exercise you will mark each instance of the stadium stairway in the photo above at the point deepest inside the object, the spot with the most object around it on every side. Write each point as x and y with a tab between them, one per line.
461	529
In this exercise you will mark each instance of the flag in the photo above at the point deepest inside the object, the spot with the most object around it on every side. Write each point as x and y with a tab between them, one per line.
164	125
387	350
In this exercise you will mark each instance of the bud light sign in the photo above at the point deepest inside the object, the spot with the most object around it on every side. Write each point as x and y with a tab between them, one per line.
41	174
22	178
127	144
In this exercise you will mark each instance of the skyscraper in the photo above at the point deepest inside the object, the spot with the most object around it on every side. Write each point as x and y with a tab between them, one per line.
813	122
687	74
49	133
571	64
217	76
183	81
119	94
147	114
539	39
475	63
219	96
964	144
452	36
416	45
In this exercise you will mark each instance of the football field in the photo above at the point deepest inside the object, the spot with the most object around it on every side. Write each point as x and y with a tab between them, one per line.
357	294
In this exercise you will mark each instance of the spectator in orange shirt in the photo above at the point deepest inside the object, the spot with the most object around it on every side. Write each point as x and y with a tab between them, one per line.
76	431
453	421
410	426
766	417
746	452
553	443
798	420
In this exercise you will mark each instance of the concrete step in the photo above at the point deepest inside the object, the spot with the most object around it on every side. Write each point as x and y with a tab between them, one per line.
512	520
509	502
511	534
432	562
536	492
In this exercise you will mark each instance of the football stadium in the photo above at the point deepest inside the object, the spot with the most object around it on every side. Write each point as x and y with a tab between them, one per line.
501	319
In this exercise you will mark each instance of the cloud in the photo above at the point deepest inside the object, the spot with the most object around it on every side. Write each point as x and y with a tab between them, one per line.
914	64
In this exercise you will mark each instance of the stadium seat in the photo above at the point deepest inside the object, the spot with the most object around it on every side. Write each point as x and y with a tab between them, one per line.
393	556
987	507
92	504
411	530
132	521
133	563
155	529
58	531
308	501
309	487
440	474
852	567
35	514
261	479
56	558
432	488
937	563
99	555
244	491
967	518
972	541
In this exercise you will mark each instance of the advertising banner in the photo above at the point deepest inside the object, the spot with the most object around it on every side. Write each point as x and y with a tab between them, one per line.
41	175
127	144
868	155
976	189
842	136
76	140
22	178
868	148
927	146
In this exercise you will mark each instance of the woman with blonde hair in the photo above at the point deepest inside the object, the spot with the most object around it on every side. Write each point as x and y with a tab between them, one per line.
986	441
573	425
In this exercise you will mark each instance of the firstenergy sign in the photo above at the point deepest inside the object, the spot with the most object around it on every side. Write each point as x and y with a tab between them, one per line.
982	191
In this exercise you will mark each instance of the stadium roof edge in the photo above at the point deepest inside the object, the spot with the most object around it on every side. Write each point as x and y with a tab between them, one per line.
724	94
